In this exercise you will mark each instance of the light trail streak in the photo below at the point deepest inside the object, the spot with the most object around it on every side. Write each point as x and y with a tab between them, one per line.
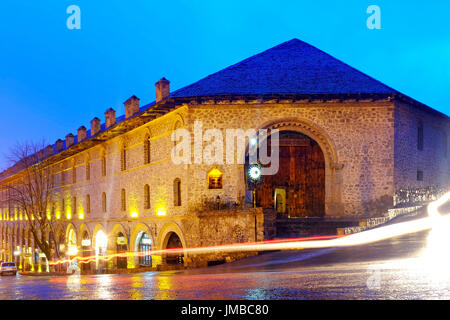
373	235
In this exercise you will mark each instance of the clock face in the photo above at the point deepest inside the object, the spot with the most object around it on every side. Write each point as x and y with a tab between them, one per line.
254	172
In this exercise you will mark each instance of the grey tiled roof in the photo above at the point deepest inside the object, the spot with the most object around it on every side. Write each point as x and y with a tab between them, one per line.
293	67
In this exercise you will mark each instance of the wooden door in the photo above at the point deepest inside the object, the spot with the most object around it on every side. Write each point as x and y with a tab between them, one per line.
301	173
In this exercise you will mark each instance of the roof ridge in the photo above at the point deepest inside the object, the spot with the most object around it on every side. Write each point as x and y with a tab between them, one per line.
291	67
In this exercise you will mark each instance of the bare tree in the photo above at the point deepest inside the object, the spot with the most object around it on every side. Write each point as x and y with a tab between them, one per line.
30	192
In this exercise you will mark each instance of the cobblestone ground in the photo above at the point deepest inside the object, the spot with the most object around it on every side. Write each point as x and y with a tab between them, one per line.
414	266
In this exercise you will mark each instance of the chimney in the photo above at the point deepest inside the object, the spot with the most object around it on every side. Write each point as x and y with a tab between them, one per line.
162	89
95	126
110	117
48	151
41	155
131	106
70	139
59	145
82	134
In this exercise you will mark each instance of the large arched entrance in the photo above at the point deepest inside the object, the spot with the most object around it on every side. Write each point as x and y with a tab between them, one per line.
174	242
298	188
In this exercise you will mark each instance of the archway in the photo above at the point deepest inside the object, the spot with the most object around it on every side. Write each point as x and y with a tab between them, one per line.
100	245
72	249
144	246
174	242
121	248
298	188
86	250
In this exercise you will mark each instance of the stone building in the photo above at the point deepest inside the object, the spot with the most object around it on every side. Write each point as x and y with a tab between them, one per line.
348	146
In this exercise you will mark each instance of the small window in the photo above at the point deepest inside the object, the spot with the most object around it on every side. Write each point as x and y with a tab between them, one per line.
62	176
88	170
123	198
52	178
215	179
104	202
74	205
123	159
103	166
147	157
420	137
88	203
147	196
177	192
419	175
74	174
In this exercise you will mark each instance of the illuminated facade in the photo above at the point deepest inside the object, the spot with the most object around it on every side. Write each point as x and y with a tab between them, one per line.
349	143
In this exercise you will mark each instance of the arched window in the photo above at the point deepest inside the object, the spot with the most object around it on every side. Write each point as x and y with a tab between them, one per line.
175	127
52	210
104	202
63	206
177	192
88	170
103	166
74	173
215	179
147	157
123	199
74	205
88	203
146	196
62	175
52	177
123	159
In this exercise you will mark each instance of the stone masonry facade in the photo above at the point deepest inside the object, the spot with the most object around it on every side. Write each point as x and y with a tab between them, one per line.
363	169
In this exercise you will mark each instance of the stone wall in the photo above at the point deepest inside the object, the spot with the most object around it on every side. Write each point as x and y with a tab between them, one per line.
354	135
408	159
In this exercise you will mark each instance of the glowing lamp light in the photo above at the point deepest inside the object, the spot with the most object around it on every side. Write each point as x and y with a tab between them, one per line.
17	252
101	240
134	214
254	172
161	212
253	141
81	216
72	251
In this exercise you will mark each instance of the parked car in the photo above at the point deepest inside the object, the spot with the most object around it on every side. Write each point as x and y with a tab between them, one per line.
8	267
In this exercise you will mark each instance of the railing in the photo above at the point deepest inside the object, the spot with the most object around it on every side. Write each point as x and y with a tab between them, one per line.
408	196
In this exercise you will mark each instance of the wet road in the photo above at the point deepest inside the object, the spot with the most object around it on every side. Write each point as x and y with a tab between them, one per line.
415	266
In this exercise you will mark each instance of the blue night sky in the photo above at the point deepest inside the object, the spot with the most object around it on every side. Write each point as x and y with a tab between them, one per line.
53	80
